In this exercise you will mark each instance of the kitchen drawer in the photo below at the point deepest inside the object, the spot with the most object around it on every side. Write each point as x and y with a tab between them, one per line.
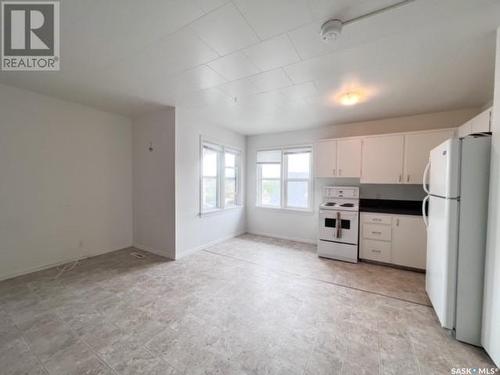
379	251
376	219
377	232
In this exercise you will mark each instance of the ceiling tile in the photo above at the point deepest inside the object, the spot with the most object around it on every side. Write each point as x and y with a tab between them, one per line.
273	53
308	42
119	29
234	66
241	87
346	9
270	18
169	57
201	77
266	103
209	5
272	80
202	98
178	52
302	90
225	30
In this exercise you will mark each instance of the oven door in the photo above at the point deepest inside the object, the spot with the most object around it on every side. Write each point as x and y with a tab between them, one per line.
346	232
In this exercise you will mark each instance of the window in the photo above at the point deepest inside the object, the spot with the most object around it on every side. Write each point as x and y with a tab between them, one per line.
220	177
298	166
210	177
269	172
284	178
230	179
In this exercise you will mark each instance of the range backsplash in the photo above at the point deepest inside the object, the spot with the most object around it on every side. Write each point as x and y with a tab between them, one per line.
374	191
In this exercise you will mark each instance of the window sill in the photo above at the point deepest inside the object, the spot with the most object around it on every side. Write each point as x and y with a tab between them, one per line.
219	211
307	211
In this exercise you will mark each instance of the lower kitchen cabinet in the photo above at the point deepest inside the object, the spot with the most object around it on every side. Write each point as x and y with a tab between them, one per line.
393	239
409	241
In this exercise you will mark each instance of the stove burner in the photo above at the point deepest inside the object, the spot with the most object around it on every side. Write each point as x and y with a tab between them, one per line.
347	205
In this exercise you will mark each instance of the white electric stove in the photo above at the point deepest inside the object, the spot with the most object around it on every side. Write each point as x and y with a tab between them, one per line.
339	223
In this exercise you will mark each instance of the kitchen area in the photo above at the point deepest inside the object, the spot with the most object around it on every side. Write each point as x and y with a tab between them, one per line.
436	222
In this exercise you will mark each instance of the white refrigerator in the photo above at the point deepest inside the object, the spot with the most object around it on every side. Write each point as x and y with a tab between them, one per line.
457	183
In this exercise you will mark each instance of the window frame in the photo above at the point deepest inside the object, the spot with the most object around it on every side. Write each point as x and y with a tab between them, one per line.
222	149
284	150
237	177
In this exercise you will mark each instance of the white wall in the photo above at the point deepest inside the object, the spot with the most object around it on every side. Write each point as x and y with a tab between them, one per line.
65	182
195	232
491	310
154	182
303	226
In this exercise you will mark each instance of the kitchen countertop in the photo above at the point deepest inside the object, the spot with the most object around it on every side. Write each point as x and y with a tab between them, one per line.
390	206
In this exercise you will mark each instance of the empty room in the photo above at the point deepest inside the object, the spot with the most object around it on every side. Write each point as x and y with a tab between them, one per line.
246	187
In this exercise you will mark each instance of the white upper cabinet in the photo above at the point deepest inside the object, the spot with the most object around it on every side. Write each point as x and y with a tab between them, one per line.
479	124
417	149
465	129
325	155
382	159
385	159
482	122
349	157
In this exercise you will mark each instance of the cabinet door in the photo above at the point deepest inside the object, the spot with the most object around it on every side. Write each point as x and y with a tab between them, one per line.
349	158
409	241
382	160
417	149
482	122
325	156
465	129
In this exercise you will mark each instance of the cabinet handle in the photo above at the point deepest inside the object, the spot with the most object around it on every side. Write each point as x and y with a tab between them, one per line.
334	172
397	222
408	178
399	178
376	219
376	251
376	232
340	172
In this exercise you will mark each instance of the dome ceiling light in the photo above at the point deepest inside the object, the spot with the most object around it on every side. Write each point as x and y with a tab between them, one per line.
332	29
349	98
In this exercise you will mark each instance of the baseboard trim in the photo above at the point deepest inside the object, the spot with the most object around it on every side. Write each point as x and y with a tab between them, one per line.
208	244
295	239
56	264
151	250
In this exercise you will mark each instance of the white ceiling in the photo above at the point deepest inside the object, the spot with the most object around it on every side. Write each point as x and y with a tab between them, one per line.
259	66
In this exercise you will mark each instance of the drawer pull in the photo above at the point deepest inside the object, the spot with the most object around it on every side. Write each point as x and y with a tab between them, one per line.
376	251
376	232
376	219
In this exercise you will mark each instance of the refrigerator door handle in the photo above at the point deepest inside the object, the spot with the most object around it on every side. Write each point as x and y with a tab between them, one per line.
425	178
424	213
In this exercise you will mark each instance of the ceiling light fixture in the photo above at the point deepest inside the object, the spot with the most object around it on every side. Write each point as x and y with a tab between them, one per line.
349	98
332	28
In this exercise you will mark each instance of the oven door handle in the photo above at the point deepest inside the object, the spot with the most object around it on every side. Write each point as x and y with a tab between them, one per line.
339	226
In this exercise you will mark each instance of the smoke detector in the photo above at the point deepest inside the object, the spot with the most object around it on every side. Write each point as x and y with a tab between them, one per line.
331	30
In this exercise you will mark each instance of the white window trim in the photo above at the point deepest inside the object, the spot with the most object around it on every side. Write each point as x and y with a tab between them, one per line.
220	177
284	179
